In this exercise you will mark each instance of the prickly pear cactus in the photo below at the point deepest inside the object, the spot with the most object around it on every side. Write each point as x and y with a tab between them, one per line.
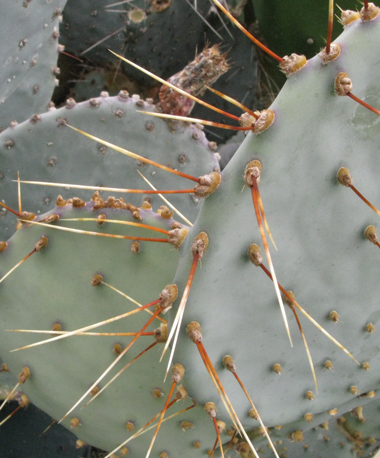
44	149
29	33
91	28
308	209
318	147
29	424
138	32
156	264
317	220
307	30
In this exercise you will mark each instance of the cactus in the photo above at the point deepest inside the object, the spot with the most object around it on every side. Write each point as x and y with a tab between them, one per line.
141	30
30	424
142	40
41	149
147	262
306	31
138	28
311	170
29	54
327	255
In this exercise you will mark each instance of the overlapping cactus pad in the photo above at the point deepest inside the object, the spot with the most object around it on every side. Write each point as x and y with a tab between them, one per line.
44	149
74	302
323	255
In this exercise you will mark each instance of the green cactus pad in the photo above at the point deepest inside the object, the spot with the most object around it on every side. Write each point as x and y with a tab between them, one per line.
74	302
147	44
323	256
343	436
43	149
22	435
305	33
88	22
29	53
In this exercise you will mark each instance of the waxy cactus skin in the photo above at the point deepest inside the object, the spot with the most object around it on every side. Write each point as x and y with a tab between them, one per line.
327	256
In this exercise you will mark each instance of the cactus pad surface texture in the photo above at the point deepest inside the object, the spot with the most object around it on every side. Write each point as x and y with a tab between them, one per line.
43	149
29	33
328	256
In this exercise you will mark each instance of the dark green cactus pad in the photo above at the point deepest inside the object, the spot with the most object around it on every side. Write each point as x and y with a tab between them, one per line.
43	149
29	37
146	42
91	84
22	435
305	33
148	45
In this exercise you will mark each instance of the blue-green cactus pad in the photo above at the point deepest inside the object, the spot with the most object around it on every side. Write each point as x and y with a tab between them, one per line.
43	149
323	256
29	52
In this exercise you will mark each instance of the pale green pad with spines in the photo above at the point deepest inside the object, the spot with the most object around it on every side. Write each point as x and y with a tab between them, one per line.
48	151
28	56
322	256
